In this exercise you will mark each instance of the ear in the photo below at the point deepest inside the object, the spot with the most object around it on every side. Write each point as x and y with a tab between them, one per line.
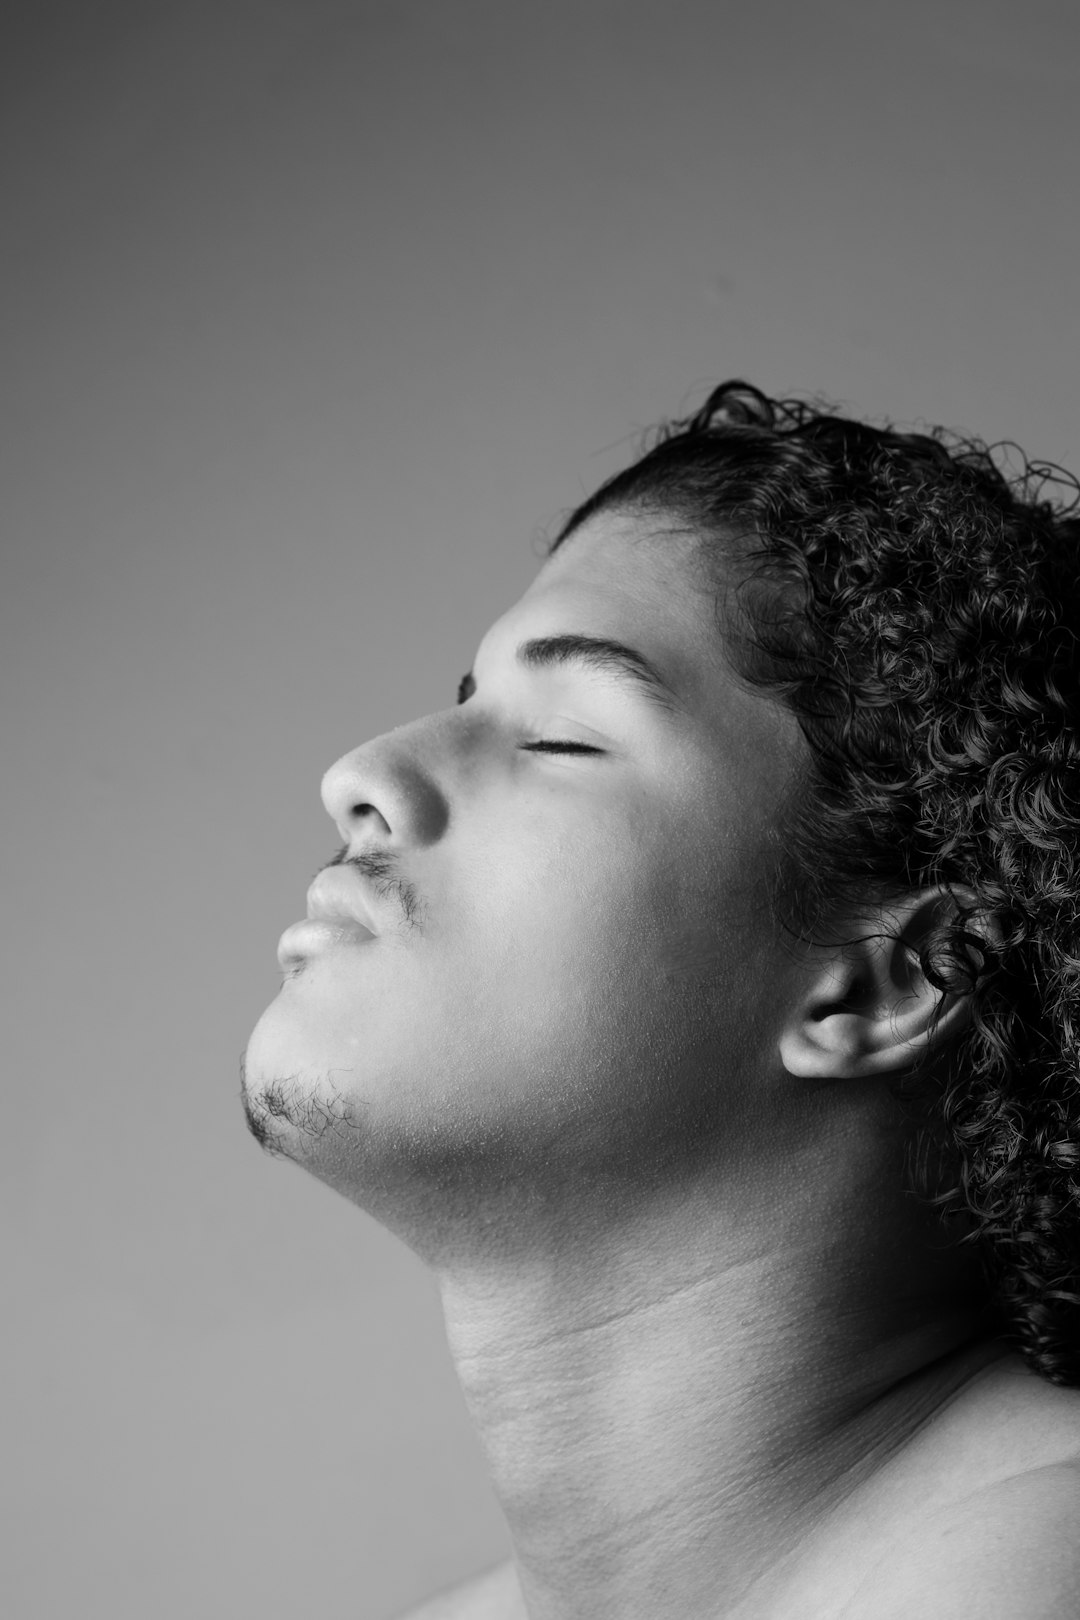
867	1008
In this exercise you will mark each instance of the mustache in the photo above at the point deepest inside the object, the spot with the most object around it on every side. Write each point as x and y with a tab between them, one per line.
382	870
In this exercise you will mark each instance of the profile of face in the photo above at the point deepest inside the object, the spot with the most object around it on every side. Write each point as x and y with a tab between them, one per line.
567	981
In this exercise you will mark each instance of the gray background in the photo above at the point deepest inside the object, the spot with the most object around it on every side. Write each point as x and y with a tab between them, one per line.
316	316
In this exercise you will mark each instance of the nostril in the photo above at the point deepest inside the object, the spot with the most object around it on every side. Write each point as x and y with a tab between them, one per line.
361	809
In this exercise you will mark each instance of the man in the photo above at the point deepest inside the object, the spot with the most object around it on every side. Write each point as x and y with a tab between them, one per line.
698	998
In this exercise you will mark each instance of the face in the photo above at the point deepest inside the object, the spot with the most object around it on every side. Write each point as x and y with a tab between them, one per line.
569	982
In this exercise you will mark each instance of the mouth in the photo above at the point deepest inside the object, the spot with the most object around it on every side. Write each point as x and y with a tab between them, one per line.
337	914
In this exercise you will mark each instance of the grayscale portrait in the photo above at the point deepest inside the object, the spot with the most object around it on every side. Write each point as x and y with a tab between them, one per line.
540	673
698	998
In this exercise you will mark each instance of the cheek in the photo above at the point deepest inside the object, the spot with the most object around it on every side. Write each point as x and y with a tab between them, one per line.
559	906
590	951
608	910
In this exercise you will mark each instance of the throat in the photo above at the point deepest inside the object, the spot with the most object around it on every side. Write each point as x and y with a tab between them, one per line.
686	1438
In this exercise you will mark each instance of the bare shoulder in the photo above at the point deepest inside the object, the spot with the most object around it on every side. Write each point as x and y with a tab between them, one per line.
979	1516
493	1595
1014	1424
1009	1550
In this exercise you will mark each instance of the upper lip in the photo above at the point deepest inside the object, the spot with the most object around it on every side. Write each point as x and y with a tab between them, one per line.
338	893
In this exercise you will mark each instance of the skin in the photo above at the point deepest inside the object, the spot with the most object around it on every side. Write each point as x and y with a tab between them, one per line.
646	1146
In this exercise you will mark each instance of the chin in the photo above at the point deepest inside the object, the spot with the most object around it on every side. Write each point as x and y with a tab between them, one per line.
294	1086
450	1128
396	1135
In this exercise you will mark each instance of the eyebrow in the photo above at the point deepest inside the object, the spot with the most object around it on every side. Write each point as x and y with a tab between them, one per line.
613	658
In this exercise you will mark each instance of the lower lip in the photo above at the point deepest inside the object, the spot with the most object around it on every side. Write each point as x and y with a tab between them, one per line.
318	934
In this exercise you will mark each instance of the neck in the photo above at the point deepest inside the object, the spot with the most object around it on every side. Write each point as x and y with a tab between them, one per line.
670	1407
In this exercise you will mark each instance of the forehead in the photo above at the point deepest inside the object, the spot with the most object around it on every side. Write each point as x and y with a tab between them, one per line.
640	579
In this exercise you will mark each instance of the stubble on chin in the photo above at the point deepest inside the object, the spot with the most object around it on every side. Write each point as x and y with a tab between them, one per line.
286	1116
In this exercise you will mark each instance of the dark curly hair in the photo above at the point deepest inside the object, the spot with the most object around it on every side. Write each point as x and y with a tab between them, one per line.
915	605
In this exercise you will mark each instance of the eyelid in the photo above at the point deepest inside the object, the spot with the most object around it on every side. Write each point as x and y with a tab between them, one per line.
544	745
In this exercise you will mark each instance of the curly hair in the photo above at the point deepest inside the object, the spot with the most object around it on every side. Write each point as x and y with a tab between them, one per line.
914	604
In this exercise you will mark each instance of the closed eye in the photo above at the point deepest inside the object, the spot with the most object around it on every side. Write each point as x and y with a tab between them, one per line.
553	745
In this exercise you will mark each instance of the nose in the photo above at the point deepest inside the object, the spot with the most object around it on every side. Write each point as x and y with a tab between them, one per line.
387	793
